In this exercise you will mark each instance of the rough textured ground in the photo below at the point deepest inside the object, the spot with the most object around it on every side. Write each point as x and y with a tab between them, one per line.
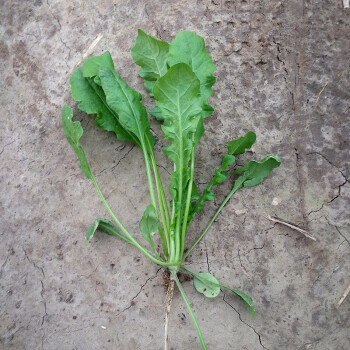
282	71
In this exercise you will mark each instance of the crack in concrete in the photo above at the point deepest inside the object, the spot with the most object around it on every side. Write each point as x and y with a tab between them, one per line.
138	293
59	32
150	18
316	210
337	229
256	248
33	263
124	156
339	191
301	182
7	144
240	262
333	165
278	45
328	161
339	186
42	285
163	167
247	324
206	254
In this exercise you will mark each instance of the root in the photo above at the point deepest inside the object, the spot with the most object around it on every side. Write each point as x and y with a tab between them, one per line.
169	299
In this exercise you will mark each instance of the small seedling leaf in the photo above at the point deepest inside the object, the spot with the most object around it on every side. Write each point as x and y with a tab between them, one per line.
105	226
208	281
247	300
149	223
74	132
206	284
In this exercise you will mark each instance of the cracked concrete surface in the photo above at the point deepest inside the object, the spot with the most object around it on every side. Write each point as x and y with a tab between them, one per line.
283	72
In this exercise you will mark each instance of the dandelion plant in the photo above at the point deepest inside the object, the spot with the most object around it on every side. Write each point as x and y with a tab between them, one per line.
178	76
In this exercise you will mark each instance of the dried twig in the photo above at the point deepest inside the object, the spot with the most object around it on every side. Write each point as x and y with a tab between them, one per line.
292	226
345	294
319	94
87	53
91	48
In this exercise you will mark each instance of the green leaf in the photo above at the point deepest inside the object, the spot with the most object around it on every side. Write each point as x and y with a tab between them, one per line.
189	48
105	226
149	223
126	103
200	130
92	100
219	177
149	85
206	281
255	172
156	113
206	284
177	96
248	301
74	132
93	64
151	55
238	146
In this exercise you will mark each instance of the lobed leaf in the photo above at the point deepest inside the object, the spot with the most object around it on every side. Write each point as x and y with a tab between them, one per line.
177	96
93	64
126	103
74	132
235	147
219	177
105	226
151	55
154	56
189	48
238	146
156	113
255	172
92	100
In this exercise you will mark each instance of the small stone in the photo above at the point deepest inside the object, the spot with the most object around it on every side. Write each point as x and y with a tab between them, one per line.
240	212
237	47
276	201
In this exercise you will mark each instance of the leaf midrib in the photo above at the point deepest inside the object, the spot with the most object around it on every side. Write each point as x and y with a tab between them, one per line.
104	102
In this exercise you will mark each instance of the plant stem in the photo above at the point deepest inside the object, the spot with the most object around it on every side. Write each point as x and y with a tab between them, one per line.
184	296
163	208
188	202
149	175
134	242
237	186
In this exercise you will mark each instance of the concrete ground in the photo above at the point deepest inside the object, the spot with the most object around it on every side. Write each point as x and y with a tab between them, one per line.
283	72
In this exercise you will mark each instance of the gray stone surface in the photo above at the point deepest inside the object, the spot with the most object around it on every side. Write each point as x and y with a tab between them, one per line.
282	71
